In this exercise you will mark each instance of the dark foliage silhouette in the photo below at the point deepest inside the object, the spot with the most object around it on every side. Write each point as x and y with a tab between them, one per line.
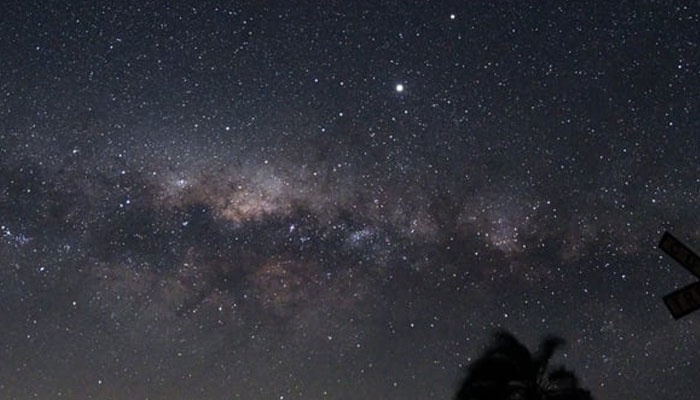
508	371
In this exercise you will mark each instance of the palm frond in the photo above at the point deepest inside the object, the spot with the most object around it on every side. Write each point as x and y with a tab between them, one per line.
508	371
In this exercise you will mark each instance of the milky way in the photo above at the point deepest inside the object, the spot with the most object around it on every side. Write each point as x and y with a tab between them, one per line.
342	201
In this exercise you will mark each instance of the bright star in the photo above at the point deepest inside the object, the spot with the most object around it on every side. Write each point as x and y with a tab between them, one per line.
399	88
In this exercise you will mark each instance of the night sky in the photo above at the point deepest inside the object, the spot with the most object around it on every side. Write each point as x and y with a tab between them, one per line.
343	199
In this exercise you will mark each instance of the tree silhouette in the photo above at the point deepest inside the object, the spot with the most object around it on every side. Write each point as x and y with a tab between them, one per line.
508	371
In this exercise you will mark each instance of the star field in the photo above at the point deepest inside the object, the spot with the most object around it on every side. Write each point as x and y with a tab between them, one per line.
342	200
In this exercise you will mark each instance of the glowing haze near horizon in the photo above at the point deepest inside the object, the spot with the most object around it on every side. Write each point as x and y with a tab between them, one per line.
342	200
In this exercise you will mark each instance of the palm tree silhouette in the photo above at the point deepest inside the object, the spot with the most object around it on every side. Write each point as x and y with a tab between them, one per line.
508	371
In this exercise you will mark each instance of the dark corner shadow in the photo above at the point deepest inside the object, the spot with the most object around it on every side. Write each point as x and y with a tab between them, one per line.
508	371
